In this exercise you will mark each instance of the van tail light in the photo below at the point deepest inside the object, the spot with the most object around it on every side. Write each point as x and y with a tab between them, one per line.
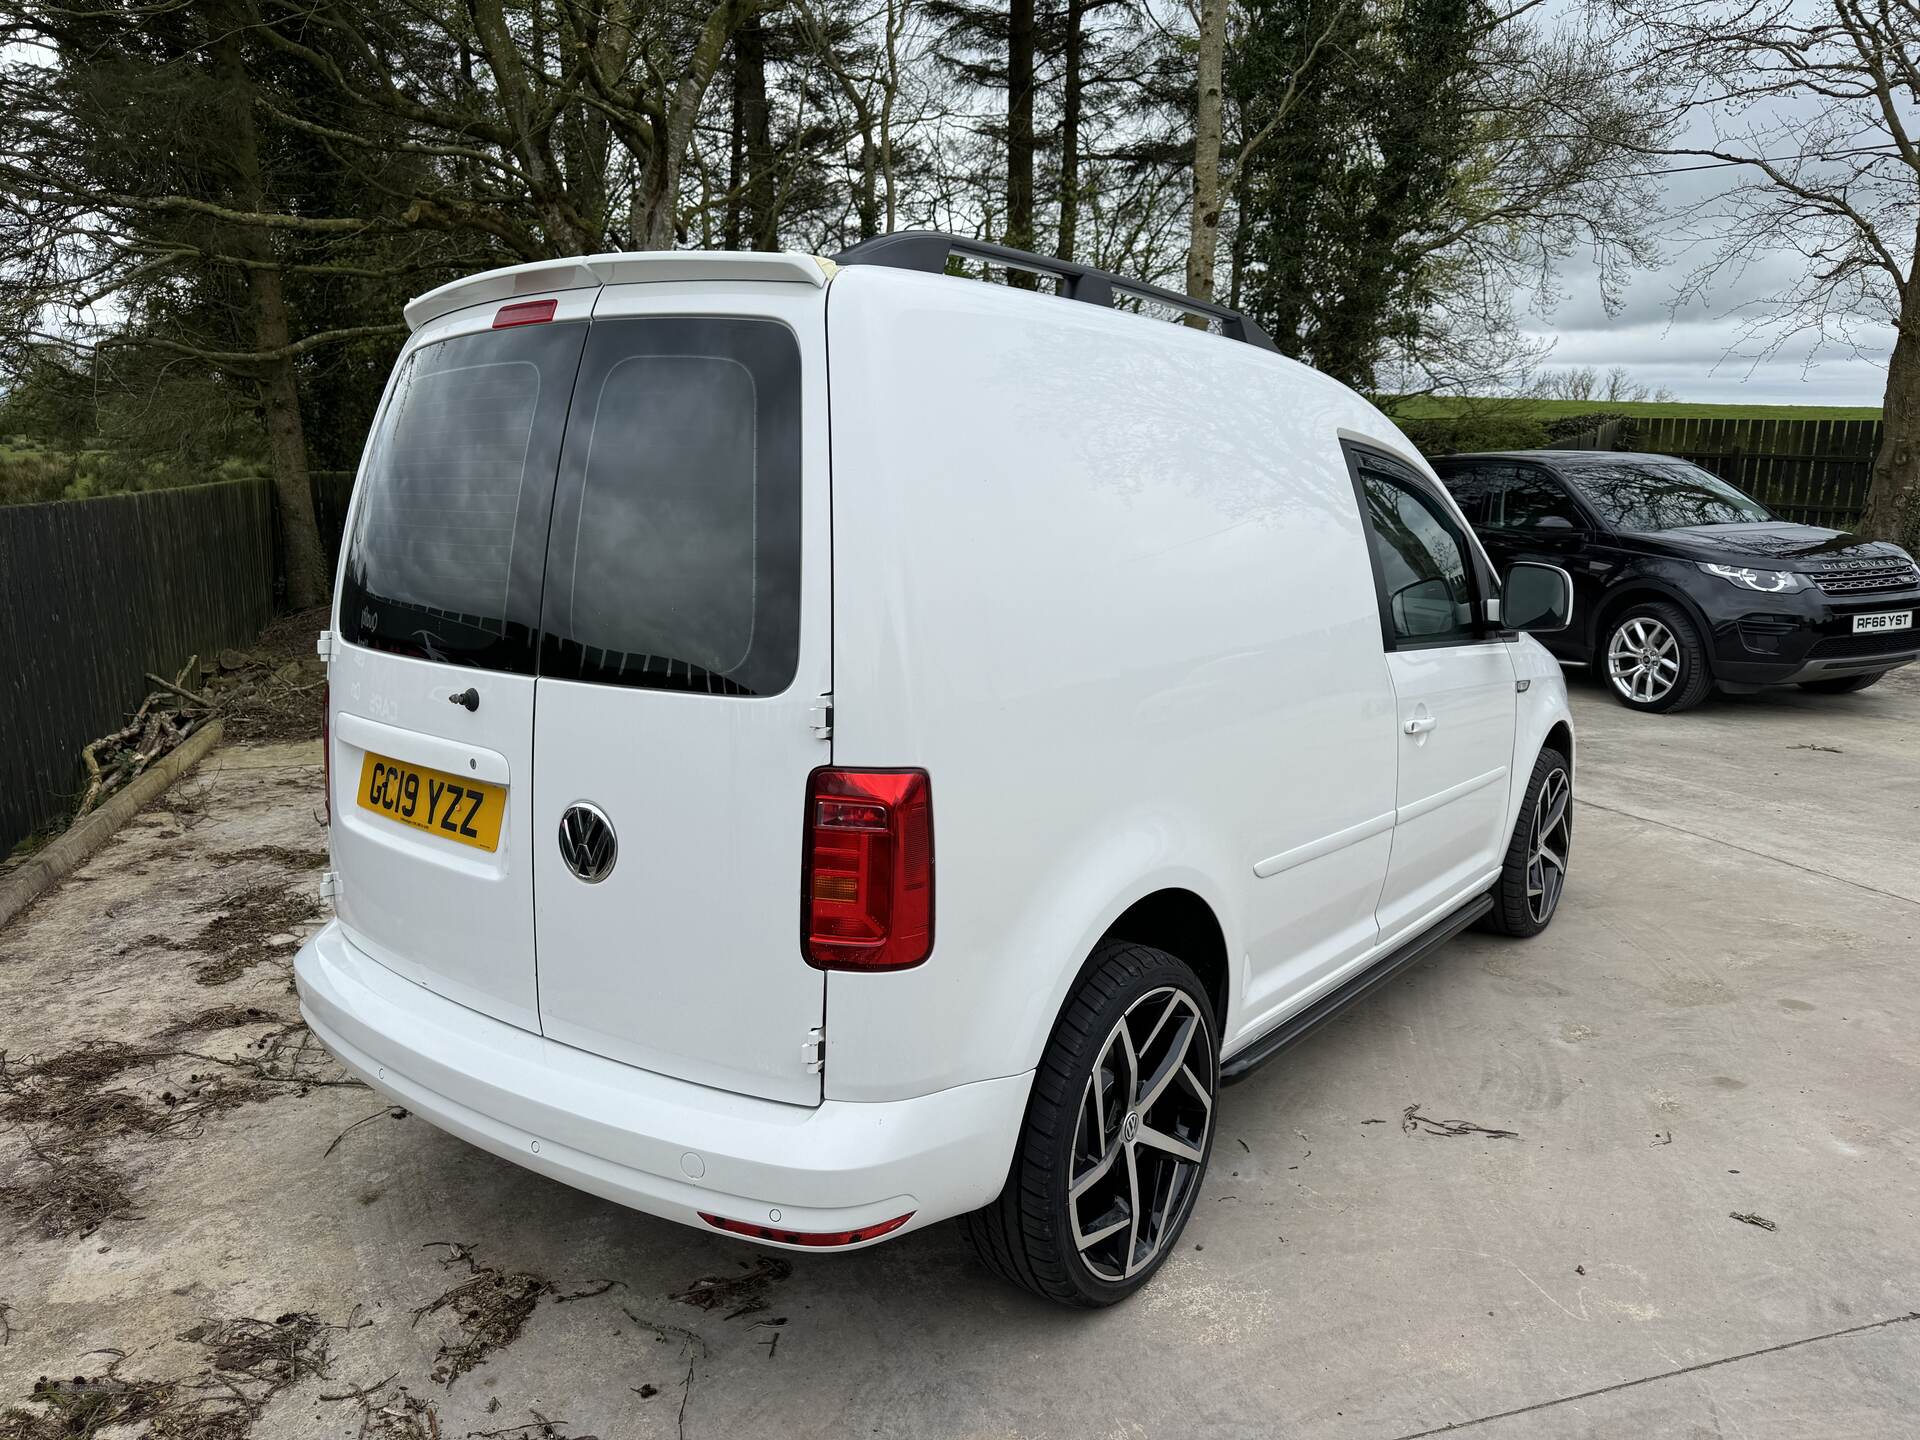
866	888
326	749
816	1238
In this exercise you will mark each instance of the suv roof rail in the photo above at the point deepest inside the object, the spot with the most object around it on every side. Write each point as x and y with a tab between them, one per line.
928	251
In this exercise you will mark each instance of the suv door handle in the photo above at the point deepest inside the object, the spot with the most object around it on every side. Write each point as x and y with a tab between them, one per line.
1420	724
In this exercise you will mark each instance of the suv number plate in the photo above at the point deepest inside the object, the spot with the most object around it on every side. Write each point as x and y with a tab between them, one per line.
466	811
1885	620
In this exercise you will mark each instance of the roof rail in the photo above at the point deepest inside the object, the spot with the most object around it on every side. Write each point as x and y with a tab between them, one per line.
928	251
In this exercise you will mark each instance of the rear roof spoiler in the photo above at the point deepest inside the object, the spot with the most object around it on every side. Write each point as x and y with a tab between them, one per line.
584	272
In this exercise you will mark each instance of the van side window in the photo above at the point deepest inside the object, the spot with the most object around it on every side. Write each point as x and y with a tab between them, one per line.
674	562
1421	561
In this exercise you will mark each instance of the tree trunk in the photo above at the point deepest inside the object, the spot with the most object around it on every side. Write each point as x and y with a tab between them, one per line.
731	234
1070	131
1204	238
1893	499
302	555
1020	42
750	89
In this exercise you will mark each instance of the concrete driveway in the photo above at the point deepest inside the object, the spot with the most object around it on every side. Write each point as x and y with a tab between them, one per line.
1721	1024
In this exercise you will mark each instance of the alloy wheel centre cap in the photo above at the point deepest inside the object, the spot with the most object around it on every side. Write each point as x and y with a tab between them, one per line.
1132	1126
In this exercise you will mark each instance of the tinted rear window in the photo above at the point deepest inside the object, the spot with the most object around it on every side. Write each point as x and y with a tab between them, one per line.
625	514
675	558
449	537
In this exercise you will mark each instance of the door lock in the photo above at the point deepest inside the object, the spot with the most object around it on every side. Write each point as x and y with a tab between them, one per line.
1420	724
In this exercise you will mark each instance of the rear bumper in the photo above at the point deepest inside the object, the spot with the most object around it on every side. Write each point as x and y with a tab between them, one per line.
660	1145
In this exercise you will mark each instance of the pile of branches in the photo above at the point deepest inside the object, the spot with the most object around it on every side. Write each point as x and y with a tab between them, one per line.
166	717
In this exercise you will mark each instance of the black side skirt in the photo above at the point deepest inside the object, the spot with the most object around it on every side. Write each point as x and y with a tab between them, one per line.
1297	1027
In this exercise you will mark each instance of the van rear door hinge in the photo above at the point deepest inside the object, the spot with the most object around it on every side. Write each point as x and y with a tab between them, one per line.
813	1054
324	646
821	717
329	884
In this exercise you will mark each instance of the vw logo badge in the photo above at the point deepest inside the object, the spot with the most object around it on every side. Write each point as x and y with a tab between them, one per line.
587	842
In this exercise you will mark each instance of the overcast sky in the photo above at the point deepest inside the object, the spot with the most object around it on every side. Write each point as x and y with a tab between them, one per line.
1704	351
1699	353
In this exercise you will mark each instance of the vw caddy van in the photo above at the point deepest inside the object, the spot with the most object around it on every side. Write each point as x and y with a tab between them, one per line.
819	748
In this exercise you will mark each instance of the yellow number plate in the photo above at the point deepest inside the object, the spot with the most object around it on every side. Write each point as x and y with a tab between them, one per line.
453	808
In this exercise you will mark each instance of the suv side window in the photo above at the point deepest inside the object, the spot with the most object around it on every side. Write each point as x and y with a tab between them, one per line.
1420	559
1476	489
1532	496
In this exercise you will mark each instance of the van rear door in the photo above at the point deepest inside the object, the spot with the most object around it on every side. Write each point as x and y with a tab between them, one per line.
432	690
685	656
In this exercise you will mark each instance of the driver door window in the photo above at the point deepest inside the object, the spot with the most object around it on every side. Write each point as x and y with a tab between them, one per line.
1420	559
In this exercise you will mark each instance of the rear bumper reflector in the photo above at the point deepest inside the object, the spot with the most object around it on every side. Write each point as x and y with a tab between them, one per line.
818	1239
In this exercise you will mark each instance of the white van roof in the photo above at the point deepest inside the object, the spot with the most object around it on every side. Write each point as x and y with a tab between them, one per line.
584	272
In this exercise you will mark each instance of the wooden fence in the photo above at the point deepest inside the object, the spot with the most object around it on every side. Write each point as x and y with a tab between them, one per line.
1813	471
332	490
95	593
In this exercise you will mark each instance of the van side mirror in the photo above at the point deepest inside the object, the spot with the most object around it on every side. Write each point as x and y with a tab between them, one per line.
1538	598
1554	522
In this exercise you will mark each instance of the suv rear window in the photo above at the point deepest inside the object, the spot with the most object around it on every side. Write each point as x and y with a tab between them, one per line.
450	529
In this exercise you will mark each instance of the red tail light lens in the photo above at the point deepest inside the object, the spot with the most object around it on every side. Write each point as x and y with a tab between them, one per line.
524	312
820	1238
866	891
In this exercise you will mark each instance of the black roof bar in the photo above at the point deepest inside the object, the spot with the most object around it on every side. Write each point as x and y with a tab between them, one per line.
928	250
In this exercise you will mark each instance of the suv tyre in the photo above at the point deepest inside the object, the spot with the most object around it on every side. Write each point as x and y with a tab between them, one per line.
1654	659
1118	1132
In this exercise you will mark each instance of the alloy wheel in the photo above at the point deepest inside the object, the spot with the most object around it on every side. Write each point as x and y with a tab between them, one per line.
1141	1135
1548	843
1643	660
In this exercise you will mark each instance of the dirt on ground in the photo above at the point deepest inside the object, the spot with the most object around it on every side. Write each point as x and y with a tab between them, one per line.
274	689
1650	1173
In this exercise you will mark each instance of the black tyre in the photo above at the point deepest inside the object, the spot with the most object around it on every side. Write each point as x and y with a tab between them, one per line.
1534	873
1118	1132
1654	659
1842	684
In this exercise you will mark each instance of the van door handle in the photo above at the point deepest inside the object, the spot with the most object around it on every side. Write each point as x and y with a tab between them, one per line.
1420	724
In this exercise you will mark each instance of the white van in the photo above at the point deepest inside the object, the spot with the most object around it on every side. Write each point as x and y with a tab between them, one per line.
819	748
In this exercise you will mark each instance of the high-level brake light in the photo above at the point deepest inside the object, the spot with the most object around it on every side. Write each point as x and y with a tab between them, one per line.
524	312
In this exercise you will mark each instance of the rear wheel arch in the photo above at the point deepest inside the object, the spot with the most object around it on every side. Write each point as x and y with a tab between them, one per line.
1184	925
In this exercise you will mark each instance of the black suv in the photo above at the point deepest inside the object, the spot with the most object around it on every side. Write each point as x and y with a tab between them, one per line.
1681	582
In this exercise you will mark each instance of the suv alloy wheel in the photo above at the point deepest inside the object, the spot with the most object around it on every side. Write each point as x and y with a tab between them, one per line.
1654	659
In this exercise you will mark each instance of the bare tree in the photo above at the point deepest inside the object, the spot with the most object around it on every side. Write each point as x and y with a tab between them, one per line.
1584	383
1813	107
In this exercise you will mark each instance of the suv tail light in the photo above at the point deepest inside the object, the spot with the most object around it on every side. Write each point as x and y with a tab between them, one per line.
866	888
